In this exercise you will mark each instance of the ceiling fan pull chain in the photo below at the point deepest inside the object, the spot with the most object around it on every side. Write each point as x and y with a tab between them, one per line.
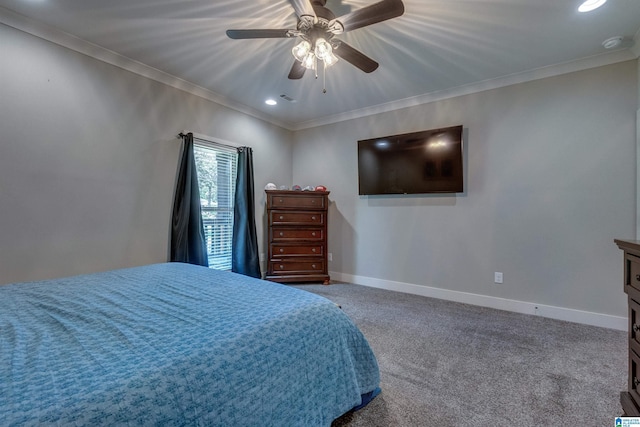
324	77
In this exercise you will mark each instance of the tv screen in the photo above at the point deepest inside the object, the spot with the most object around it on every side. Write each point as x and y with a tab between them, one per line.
429	161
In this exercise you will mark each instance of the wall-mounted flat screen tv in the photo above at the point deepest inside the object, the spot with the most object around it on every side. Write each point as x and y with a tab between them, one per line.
429	161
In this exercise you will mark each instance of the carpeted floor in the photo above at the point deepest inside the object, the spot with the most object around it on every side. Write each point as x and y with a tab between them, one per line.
450	364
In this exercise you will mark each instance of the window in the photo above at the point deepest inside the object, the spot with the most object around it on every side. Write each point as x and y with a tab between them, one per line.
216	166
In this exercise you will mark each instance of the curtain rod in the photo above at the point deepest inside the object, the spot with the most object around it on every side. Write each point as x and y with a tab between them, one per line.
210	140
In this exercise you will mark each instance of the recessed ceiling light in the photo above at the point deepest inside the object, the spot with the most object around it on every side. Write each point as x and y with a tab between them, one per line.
271	102
590	5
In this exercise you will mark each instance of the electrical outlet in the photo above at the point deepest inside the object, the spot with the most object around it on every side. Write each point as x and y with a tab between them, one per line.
330	256
497	277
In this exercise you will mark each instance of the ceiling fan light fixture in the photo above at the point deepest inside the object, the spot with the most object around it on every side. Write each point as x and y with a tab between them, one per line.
309	62
330	60
323	49
309	54
589	5
316	28
301	50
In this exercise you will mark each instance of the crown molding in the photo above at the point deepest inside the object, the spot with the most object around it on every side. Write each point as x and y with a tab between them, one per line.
53	35
69	41
508	80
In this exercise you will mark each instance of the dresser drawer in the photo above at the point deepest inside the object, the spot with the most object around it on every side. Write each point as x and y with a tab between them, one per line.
287	234
296	218
634	372
632	271
283	250
634	325
293	201
307	266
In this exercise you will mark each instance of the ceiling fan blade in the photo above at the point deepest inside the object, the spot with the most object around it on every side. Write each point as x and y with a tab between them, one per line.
297	71
355	57
257	34
302	8
377	12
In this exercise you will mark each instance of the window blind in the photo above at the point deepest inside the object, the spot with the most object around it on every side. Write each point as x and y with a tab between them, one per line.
216	166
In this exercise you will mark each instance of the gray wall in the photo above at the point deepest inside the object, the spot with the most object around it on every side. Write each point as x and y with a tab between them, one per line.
88	160
550	182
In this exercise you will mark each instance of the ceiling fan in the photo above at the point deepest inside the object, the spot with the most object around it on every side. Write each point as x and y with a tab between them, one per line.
317	28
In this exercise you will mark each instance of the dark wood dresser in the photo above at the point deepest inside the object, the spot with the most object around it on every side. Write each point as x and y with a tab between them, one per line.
297	227
630	399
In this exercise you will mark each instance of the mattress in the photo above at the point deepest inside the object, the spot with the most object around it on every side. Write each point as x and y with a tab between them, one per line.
177	344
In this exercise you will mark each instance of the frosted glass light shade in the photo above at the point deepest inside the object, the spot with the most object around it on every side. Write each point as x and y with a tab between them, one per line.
301	50
309	62
330	59
323	48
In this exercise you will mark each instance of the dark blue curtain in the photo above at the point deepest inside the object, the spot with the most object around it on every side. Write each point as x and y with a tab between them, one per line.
187	233
245	259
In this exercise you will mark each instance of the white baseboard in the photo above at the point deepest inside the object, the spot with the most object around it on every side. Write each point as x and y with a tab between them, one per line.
559	313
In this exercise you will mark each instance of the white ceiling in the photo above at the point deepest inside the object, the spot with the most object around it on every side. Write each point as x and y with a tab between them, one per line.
436	47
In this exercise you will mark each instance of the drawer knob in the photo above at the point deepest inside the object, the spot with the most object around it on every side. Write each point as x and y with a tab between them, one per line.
635	327
638	277
281	266
281	234
281	217
281	250
314	218
313	250
280	200
313	234
313	266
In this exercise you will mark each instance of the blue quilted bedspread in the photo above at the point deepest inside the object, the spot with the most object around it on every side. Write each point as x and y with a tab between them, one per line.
175	344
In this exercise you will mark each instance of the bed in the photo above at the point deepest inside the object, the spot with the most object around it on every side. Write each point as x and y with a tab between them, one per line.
176	344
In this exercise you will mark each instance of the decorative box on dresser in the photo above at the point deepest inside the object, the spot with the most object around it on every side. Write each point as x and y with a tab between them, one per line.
630	399
297	235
